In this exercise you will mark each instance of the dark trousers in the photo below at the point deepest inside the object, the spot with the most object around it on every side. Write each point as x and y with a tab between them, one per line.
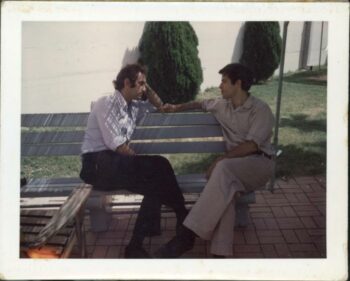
151	176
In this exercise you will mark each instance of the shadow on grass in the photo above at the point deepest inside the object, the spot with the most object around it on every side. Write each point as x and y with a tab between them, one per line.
303	160
315	77
300	122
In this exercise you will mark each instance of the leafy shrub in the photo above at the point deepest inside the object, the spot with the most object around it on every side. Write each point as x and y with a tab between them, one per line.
262	45
169	50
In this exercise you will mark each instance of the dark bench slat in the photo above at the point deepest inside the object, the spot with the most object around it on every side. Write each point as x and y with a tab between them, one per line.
49	191
37	213
177	132
51	149
29	228
80	119
191	183
55	120
178	119
52	137
30	217
34	221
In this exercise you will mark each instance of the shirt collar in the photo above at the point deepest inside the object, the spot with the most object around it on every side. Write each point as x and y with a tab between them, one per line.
249	102
120	99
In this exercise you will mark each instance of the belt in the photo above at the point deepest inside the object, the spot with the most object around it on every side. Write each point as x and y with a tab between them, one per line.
259	152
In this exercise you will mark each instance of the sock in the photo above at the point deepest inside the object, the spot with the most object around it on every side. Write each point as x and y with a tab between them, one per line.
218	257
181	215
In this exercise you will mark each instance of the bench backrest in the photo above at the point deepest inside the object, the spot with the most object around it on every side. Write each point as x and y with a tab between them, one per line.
62	134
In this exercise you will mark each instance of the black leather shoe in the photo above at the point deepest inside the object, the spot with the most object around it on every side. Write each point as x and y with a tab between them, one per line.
218	257
175	248
136	252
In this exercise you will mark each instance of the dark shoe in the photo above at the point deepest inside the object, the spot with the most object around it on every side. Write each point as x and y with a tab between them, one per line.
175	248
178	228
218	257
185	232
136	252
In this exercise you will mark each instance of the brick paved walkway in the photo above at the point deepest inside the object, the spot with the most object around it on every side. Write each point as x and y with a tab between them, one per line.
289	223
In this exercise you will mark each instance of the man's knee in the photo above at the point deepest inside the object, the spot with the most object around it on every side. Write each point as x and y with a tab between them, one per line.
161	161
223	167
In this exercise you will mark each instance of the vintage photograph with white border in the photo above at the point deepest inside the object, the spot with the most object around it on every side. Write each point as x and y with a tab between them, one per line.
16	20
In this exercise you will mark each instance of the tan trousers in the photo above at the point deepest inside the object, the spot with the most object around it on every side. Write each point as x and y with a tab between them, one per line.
213	215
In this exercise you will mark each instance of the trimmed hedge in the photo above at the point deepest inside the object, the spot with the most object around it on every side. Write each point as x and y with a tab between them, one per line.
262	45
169	50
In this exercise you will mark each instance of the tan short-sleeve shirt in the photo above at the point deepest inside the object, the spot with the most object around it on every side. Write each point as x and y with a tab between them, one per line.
252	121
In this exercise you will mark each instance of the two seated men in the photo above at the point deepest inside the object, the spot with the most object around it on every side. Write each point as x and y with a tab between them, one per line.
109	163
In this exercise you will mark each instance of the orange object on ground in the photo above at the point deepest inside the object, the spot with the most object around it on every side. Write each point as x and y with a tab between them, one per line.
43	253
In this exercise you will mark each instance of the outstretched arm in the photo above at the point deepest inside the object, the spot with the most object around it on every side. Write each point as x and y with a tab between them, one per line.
182	106
153	97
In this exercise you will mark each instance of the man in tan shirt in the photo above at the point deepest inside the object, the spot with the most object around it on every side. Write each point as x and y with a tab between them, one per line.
247	165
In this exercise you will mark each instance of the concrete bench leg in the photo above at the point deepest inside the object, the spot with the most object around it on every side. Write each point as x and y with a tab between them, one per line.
99	216
242	215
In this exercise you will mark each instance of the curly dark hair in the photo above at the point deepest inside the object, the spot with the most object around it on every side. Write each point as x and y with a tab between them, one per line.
130	72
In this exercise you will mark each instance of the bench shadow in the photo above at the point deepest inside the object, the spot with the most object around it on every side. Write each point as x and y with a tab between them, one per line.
302	160
301	122
198	164
305	159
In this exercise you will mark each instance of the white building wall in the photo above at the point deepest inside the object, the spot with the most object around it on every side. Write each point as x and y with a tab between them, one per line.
218	45
293	46
318	49
67	65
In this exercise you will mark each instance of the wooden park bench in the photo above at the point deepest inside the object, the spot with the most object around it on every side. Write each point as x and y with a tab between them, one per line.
157	133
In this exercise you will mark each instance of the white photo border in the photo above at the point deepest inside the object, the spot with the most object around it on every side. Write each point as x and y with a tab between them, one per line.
334	267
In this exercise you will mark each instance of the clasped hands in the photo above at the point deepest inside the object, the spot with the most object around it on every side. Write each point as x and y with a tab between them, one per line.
125	149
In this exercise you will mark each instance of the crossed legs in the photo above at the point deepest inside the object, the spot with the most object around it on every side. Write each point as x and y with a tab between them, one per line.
213	215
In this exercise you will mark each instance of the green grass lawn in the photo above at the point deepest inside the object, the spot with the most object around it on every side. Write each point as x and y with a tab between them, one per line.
302	134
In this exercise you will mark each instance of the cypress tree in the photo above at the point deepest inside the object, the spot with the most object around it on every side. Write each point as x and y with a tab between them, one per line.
169	50
262	45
